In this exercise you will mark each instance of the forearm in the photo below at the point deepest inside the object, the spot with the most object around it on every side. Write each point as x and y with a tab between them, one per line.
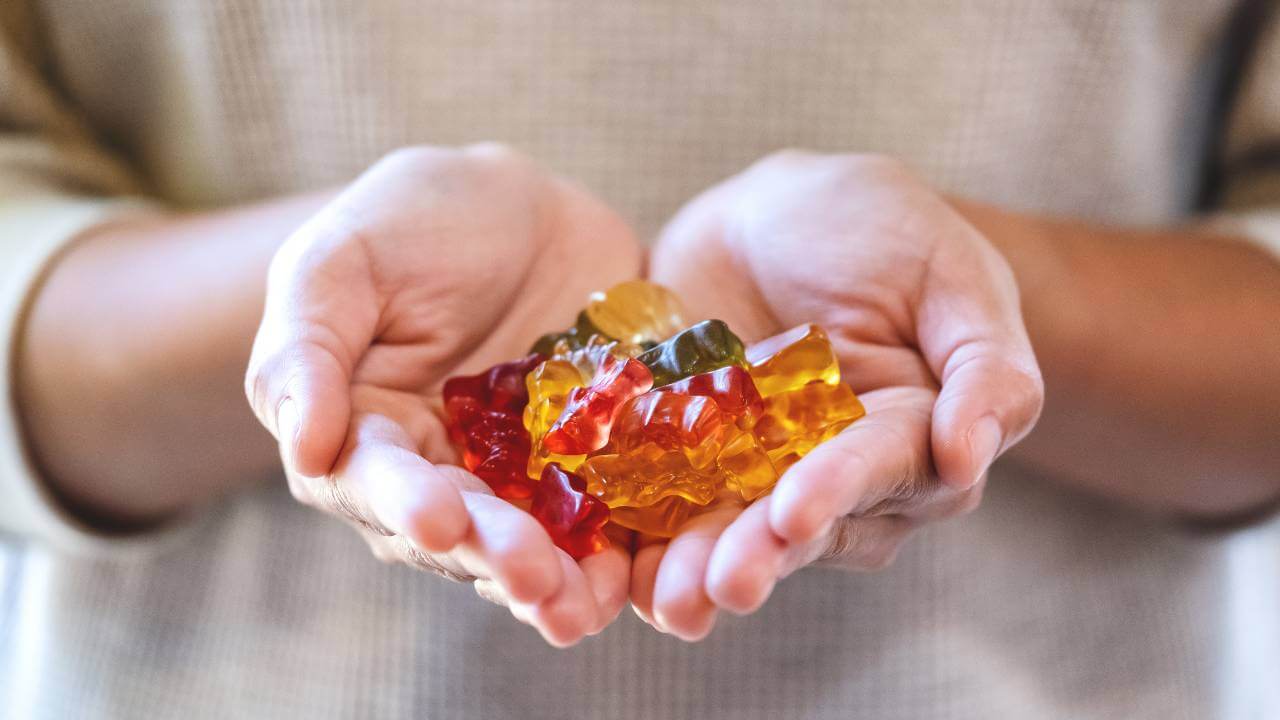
130	365
1161	356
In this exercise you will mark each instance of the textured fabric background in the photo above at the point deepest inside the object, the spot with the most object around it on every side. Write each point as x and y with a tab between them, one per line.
1043	604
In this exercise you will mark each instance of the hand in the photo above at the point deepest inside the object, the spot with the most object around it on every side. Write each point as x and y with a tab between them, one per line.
923	314
435	262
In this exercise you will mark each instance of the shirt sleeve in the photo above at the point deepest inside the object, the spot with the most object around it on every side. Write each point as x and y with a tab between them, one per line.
1250	192
56	181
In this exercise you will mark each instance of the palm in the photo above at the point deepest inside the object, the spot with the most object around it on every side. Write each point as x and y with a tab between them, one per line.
850	266
923	316
461	278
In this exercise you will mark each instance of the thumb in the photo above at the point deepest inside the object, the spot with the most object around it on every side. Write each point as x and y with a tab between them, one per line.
319	318
971	333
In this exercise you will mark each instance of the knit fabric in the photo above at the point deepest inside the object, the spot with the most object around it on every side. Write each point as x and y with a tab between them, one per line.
1042	604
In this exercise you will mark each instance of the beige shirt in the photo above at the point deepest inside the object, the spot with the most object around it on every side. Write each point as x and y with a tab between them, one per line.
1043	604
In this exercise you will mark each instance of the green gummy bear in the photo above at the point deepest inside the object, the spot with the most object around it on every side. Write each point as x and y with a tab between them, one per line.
709	345
576	336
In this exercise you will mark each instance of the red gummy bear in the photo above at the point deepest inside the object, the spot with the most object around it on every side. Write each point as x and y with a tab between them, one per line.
731	388
589	412
483	414
497	450
574	519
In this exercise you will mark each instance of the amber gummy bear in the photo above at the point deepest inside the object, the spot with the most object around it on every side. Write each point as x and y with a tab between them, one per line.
796	422
574	519
662	519
636	312
790	360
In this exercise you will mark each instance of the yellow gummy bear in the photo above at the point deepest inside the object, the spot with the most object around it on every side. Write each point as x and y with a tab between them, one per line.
642	479
791	360
747	468
797	421
636	312
662	518
549	385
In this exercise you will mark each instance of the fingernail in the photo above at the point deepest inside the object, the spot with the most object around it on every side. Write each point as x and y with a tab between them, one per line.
984	442
287	430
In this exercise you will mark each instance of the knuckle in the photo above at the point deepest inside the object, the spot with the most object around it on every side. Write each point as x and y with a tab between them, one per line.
878	557
416	156
858	170
416	558
969	500
298	489
493	150
844	538
866	545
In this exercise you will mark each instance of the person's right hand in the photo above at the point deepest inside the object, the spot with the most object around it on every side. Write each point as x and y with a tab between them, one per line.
435	262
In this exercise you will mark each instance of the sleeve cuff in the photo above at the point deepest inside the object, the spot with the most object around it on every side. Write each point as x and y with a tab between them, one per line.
33	231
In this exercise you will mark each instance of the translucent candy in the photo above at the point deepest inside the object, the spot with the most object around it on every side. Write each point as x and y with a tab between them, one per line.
483	416
549	386
589	412
793	359
574	520
731	388
661	519
795	422
645	479
747	468
636	312
707	346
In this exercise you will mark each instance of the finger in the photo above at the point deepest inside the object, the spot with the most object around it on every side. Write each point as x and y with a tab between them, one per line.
396	489
973	337
680	602
644	572
746	561
507	545
319	316
568	615
881	460
608	574
862	544
491	591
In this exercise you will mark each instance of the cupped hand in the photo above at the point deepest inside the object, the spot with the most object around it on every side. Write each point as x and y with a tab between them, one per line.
435	262
923	314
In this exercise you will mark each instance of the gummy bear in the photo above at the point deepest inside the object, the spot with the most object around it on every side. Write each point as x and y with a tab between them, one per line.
643	480
574	519
496	449
747	468
707	346
573	338
662	518
483	416
659	422
793	359
500	388
636	312
549	386
795	422
590	356
730	387
588	414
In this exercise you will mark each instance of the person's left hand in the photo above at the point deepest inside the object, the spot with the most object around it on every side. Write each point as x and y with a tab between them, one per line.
923	315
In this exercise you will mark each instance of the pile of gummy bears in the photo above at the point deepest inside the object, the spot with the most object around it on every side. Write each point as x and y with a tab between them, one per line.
632	417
